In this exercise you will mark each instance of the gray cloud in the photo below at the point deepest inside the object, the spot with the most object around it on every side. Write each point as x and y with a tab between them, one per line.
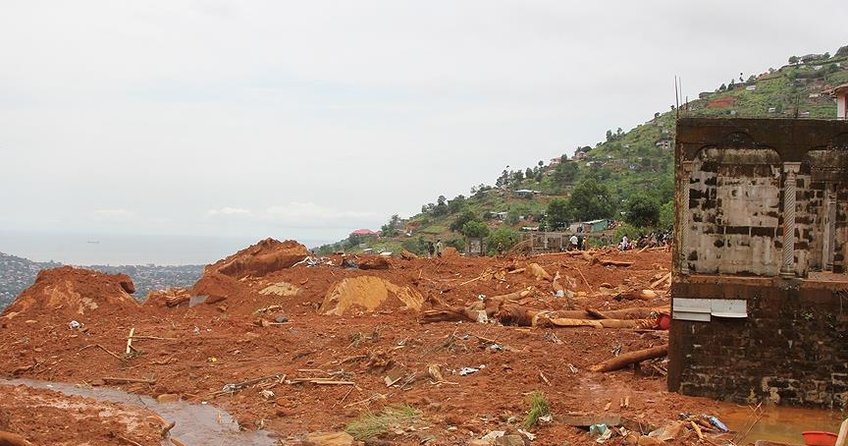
319	117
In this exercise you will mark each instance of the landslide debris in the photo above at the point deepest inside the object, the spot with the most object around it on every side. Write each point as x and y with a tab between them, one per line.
72	292
368	293
221	280
257	260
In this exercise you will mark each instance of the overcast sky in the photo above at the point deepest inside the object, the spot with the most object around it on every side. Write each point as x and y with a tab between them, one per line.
309	119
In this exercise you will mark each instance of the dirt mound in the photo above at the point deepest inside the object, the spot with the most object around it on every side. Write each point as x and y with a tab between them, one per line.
73	292
368	293
218	287
260	259
224	279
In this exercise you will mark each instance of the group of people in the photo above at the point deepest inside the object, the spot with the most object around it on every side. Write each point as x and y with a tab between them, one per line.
434	249
577	242
651	240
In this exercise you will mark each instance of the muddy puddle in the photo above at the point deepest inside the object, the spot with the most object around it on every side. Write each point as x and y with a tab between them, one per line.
781	424
196	424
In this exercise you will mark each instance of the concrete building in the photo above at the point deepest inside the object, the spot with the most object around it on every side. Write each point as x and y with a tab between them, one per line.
760	291
841	94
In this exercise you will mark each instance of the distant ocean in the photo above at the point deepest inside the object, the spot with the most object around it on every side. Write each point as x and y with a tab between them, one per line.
82	249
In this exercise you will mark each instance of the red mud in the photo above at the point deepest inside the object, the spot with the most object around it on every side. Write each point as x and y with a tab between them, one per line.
201	349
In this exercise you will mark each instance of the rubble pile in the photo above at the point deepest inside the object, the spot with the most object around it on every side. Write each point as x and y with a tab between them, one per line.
74	292
299	344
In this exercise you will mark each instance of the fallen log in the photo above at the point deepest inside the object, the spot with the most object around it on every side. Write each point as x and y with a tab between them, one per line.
450	315
607	262
596	314
634	313
516	315
566	322
626	359
662	280
543	320
636	295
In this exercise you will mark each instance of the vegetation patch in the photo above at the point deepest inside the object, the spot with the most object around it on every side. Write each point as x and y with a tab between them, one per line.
538	408
370	425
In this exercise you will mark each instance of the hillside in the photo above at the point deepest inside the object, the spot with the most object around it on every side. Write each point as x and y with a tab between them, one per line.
627	171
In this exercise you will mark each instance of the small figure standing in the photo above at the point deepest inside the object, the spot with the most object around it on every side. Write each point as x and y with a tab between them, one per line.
572	243
430	249
439	248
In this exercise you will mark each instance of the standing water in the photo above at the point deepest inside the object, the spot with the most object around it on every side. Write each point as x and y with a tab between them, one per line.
776	423
196	424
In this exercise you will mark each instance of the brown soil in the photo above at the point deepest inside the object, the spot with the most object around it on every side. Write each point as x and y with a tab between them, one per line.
45	417
377	336
74	293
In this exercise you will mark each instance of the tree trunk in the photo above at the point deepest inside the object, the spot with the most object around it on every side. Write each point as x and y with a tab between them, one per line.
626	359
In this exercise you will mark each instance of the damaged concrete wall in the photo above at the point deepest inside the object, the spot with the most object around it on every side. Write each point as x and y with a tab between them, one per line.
762	229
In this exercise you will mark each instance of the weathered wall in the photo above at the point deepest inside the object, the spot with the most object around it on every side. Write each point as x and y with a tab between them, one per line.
762	212
791	349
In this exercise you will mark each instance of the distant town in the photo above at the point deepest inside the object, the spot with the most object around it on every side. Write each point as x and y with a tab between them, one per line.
18	273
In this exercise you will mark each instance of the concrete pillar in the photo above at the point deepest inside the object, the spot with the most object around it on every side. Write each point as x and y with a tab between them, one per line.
829	232
790	180
685	217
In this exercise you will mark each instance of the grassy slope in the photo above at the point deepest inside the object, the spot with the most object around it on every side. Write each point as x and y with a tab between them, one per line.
633	161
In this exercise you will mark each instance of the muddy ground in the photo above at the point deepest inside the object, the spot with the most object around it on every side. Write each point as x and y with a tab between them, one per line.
323	371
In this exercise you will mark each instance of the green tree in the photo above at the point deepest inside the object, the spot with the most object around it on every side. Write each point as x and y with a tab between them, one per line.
590	200
353	241
457	204
461	220
793	60
501	240
667	215
642	210
565	173
475	229
391	228
512	217
559	214
441	207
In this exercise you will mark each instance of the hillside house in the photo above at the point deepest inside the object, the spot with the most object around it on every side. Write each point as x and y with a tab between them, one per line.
364	233
760	290
590	226
525	193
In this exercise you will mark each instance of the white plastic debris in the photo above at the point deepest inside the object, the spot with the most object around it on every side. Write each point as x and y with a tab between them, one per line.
468	370
74	325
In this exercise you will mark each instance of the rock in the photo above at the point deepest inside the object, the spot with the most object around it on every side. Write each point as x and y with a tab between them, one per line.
126	283
535	270
10	439
376	262
668	432
649	441
168	398
510	440
281	319
328	439
407	255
